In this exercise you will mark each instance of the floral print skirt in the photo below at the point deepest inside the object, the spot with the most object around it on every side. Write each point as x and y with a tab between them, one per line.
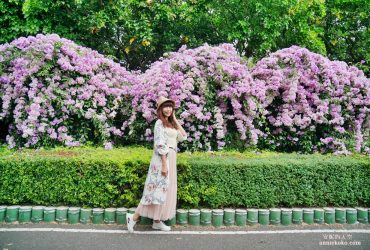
168	209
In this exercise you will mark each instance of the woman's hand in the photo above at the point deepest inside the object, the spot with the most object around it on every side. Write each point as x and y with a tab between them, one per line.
175	120
174	116
180	128
164	171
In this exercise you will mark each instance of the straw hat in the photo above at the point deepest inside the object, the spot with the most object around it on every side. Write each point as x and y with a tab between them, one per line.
163	99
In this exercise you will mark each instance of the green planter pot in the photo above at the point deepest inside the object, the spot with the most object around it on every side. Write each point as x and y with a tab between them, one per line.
110	215
240	217
217	217
97	215
275	216
205	217
340	215
252	216
362	215
286	216
171	221
85	215
61	214
308	216
194	217
229	217
351	216
297	216
73	215
182	216
131	210
37	214
145	221
318	215
11	214
49	214
121	216
329	215
24	214
263	216
2	213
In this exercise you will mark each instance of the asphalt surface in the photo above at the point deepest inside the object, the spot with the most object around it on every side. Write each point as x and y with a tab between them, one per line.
79	236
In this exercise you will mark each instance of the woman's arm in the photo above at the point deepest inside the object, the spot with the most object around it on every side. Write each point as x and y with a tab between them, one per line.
160	144
181	129
164	165
181	134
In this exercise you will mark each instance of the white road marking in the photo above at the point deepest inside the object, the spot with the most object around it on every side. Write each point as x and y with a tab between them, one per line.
70	230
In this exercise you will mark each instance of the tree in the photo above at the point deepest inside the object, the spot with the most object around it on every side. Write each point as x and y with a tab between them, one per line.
347	32
138	32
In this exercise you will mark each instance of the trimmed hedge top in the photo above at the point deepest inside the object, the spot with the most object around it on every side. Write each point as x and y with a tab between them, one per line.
139	153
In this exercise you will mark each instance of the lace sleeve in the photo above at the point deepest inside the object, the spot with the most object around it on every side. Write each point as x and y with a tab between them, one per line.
180	137
160	144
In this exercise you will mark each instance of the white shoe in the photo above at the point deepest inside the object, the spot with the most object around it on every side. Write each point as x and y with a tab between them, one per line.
161	226
130	222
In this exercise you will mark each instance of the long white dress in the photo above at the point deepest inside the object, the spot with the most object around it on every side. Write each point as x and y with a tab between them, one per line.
160	193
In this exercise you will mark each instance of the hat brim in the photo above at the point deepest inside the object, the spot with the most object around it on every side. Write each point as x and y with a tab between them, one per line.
171	101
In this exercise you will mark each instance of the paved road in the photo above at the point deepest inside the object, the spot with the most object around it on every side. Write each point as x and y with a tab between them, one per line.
63	236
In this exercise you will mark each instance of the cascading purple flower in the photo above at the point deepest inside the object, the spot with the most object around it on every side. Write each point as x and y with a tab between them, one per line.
211	88
310	95
56	92
53	91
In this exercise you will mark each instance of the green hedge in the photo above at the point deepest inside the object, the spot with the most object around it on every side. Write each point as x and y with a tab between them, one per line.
100	178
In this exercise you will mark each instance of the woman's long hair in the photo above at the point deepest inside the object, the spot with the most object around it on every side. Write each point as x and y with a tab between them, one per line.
171	122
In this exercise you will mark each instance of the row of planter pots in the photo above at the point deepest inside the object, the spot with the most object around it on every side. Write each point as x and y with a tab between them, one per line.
194	217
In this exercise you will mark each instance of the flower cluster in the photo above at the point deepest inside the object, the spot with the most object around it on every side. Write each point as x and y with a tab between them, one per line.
56	92
53	91
313	101
211	87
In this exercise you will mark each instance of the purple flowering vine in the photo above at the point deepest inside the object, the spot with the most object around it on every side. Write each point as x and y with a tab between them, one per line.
55	92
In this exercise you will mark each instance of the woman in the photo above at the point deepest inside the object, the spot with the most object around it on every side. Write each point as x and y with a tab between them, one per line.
160	191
